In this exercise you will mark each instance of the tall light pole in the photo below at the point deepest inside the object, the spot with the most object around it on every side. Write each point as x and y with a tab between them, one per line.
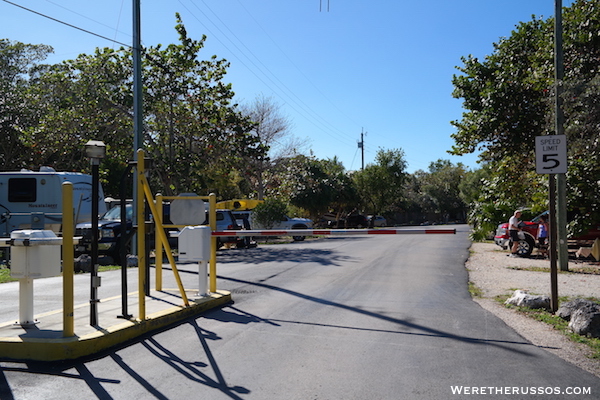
138	133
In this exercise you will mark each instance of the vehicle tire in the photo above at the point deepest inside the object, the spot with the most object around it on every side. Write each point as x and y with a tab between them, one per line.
299	238
116	253
526	246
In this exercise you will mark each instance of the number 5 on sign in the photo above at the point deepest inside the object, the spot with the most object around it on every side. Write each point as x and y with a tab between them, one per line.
551	154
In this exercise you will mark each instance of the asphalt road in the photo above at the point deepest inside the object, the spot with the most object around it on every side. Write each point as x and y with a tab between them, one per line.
369	317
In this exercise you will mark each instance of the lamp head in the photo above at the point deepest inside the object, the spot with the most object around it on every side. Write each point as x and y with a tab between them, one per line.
95	149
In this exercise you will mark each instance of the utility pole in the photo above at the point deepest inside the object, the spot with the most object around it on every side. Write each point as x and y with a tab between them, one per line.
361	146
561	181
138	135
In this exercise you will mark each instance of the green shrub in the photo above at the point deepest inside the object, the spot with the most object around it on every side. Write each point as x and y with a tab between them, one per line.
269	212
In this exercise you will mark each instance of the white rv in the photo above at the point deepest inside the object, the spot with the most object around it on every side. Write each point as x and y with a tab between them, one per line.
33	200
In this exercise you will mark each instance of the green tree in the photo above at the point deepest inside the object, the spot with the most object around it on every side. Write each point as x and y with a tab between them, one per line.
269	212
88	98
195	135
440	188
19	65
509	99
381	184
314	185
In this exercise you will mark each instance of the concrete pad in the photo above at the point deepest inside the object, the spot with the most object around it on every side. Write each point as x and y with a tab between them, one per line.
44	341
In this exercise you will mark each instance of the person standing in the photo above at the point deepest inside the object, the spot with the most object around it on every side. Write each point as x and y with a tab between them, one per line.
542	235
513	230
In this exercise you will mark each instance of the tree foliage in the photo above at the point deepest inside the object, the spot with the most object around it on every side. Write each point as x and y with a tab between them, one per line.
381	184
88	98
270	212
272	130
509	100
440	186
193	131
19	65
314	185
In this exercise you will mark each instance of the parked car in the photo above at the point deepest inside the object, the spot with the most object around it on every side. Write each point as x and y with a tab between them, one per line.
286	223
351	221
529	232
378	220
338	221
109	234
226	222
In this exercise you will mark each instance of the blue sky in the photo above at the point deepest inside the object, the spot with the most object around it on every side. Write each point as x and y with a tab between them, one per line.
379	66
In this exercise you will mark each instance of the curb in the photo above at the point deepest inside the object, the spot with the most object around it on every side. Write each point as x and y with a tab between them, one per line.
44	349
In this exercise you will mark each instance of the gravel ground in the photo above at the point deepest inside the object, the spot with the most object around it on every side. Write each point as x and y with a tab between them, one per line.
494	273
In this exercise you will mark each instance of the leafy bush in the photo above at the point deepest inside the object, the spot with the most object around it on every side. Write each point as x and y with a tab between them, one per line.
269	212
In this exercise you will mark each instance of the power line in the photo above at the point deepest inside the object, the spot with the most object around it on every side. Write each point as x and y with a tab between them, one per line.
300	107
66	23
296	66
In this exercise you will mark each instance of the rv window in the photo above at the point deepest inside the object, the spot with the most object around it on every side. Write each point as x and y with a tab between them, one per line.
22	190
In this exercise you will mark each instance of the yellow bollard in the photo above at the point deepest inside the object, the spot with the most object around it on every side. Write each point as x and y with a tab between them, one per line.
68	229
212	220
158	252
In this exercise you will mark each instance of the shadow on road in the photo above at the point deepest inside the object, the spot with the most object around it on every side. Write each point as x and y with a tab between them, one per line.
411	327
266	254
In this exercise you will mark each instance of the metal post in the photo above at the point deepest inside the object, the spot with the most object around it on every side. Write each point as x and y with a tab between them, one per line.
552	247
68	260
137	79
203	277
158	246
141	233
124	239
26	301
94	281
212	220
561	199
138	138
96	151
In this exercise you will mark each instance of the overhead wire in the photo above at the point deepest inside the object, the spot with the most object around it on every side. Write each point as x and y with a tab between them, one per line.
66	23
282	90
296	66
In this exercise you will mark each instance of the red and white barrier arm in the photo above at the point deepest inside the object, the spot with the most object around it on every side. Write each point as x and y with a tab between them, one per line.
335	232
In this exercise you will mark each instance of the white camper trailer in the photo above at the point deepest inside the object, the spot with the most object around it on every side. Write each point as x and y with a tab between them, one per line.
33	200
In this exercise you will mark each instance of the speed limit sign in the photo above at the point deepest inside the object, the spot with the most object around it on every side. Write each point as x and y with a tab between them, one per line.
551	154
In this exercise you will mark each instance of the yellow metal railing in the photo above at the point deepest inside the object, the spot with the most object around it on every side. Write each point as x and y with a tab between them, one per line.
161	236
162	244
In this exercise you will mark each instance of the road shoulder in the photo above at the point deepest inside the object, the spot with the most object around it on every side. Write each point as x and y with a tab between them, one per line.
491	272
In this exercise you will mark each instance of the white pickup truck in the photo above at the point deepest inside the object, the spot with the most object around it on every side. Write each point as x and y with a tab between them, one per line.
287	223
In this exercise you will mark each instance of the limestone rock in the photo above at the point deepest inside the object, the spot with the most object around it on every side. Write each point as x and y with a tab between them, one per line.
566	310
521	298
586	321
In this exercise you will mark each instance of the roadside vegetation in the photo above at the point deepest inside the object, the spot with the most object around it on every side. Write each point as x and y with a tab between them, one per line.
201	140
5	274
